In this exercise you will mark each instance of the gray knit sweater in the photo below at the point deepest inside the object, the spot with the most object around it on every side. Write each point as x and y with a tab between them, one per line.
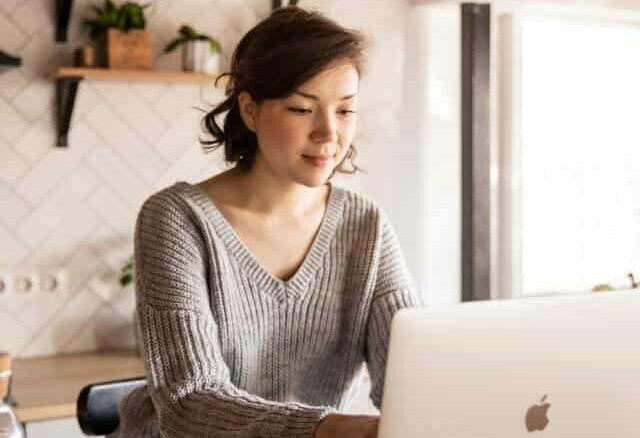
231	350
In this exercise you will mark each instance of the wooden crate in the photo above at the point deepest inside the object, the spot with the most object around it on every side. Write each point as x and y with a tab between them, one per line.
129	50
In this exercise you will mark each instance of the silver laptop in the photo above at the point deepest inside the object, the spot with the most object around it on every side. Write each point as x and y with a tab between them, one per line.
552	367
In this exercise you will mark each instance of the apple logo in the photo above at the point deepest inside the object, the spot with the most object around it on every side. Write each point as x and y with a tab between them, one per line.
536	418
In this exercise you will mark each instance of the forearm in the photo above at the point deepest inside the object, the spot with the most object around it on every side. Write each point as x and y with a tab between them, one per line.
342	425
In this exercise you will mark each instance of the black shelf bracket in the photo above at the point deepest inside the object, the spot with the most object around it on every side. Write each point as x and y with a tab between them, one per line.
66	89
63	12
7	61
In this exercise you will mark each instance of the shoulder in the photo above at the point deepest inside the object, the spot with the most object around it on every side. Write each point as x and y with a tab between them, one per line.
164	198
362	211
172	209
179	198
362	218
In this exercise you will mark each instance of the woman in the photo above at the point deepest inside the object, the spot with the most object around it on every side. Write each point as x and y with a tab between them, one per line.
263	290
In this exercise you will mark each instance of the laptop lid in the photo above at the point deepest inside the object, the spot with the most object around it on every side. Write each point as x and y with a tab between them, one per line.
551	367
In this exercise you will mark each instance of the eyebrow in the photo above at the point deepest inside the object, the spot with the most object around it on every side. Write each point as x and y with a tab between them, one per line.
311	96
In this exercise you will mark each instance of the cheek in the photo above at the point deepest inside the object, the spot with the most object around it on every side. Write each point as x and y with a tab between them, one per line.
347	133
280	130
350	129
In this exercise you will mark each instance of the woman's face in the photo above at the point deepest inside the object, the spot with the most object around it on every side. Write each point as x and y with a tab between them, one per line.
303	137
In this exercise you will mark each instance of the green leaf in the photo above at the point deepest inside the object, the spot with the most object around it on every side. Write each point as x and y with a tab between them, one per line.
215	46
126	279
128	16
173	44
140	22
602	288
110	7
188	32
121	22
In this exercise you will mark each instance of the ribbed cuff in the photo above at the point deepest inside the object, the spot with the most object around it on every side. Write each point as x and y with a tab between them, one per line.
301	422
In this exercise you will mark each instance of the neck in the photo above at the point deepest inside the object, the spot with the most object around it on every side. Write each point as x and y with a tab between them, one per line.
265	194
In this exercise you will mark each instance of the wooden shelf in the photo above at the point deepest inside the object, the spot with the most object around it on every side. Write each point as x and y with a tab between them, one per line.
106	74
68	78
48	387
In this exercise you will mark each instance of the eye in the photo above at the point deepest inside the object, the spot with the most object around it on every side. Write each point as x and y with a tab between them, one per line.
300	110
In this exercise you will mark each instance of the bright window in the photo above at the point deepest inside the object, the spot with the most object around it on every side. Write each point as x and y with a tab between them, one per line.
580	154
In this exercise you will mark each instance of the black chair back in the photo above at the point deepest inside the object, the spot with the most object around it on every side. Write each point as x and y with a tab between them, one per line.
97	404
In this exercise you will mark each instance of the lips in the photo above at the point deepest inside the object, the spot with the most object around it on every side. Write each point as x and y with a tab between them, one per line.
317	160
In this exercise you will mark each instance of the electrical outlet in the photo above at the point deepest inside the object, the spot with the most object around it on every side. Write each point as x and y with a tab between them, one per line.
54	281
25	282
48	282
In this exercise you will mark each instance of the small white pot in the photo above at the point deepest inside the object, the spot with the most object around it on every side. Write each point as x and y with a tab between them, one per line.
197	57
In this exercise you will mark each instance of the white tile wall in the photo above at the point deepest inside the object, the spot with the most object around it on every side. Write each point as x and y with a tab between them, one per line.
14	80
12	254
13	208
37	139
74	208
34	100
12	166
13	124
34	16
12	37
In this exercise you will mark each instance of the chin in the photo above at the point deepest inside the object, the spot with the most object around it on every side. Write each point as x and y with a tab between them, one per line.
311	180
312	184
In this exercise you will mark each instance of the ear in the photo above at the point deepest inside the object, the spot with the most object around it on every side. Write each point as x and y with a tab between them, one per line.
248	110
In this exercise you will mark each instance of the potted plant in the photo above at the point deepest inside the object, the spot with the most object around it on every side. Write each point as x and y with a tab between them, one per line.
200	52
121	35
605	287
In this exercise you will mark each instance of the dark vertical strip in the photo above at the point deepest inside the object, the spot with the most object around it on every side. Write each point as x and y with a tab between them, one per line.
66	89
63	11
475	117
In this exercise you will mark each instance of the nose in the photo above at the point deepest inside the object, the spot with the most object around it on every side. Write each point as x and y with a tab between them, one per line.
325	129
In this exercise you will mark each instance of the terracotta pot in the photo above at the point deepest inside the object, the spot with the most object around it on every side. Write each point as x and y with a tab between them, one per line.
129	50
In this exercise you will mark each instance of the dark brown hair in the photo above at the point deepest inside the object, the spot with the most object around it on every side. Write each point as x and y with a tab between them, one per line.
270	62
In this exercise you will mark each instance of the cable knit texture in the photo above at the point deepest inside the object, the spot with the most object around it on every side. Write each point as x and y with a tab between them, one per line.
231	350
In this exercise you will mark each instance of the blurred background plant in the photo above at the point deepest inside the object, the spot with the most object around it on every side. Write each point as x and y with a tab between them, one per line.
129	15
187	33
127	273
604	287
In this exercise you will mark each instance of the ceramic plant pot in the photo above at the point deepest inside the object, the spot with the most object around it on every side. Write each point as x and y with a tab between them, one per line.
198	57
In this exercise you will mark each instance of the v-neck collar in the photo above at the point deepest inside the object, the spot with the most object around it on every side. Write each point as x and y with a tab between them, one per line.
296	285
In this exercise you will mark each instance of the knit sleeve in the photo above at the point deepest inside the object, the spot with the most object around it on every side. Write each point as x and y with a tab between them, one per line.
187	377
394	290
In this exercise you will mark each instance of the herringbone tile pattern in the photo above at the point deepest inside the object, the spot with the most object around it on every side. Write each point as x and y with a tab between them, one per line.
74	209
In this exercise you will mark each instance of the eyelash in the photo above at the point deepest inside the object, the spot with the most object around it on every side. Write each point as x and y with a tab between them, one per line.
304	111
